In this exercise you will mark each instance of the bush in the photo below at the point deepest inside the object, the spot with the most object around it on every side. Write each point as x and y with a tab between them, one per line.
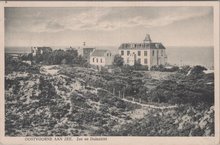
55	57
185	91
162	68
184	69
12	65
118	61
127	69
197	70
138	66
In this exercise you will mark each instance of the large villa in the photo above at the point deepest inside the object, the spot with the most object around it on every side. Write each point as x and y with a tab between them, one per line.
146	53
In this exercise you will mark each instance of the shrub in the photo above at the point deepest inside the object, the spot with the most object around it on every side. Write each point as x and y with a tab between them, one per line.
162	68
184	91
184	69
197	70
12	65
118	61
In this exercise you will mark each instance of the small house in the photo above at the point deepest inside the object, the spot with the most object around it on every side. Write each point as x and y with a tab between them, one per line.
101	58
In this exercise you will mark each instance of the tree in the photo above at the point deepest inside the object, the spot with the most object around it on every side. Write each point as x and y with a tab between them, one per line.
137	65
71	56
118	61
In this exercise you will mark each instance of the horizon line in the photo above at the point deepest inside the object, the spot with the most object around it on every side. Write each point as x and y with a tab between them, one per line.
68	46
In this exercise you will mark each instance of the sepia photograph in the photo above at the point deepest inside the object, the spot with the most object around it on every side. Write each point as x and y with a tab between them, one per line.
110	71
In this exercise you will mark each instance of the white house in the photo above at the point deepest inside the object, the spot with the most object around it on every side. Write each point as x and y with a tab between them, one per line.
101	58
147	53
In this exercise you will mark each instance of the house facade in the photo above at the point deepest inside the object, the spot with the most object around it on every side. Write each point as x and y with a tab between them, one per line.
147	53
101	58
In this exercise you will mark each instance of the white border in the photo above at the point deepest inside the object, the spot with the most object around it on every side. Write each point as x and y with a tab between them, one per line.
117	140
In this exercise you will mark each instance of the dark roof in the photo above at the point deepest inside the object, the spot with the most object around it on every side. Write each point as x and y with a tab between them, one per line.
142	46
99	52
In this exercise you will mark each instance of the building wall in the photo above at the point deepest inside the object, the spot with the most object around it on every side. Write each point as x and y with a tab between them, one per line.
94	60
158	57
107	59
154	56
138	55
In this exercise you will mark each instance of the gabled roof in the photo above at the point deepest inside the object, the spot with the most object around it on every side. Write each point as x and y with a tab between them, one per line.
142	46
99	53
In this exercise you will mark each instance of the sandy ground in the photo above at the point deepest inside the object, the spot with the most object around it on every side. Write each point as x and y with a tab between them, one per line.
49	69
159	75
208	71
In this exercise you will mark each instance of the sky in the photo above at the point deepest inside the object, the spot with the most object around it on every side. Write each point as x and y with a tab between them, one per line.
108	26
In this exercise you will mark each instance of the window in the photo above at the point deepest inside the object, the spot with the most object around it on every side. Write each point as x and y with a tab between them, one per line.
110	54
107	54
97	60
145	61
128	52
139	53
101	60
161	52
153	53
122	52
139	60
93	59
145	53
127	60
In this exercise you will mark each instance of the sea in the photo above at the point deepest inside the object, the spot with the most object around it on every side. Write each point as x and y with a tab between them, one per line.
175	55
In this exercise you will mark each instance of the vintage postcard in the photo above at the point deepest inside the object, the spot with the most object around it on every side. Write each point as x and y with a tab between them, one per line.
119	73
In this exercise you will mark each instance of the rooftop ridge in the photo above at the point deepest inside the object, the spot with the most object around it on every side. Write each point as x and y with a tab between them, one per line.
99	52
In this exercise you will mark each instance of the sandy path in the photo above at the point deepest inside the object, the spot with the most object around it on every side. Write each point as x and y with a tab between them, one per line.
151	106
